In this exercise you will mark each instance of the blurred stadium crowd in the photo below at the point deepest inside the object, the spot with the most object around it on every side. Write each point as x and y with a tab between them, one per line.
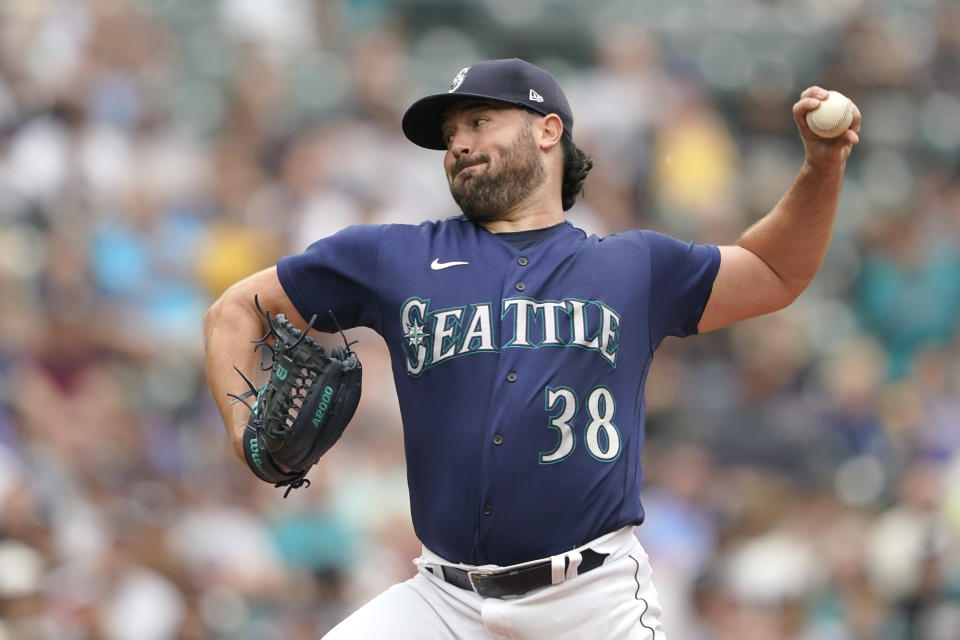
803	469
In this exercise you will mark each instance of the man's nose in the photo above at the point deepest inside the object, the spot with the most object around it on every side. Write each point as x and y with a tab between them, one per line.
461	144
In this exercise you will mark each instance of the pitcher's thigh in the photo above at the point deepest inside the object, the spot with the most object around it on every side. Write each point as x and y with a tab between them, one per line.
411	610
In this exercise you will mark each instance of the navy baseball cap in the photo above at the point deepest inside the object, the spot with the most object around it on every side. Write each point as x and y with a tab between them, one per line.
513	81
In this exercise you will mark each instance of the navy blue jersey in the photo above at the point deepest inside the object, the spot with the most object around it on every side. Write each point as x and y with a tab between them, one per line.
520	373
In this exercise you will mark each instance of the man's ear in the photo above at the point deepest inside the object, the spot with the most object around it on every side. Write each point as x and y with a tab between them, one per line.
551	128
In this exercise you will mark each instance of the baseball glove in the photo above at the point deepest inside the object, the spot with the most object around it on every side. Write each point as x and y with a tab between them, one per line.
302	410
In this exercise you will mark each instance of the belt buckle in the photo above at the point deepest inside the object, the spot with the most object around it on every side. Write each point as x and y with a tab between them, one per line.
475	577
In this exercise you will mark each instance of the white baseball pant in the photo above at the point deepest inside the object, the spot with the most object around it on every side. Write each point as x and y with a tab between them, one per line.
615	601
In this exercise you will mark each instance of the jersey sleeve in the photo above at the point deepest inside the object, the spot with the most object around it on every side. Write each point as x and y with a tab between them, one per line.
682	275
336	274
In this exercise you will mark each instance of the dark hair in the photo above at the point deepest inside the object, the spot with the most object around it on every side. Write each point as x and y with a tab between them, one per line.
576	166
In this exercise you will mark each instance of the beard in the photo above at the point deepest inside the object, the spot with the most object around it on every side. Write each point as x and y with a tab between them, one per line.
492	192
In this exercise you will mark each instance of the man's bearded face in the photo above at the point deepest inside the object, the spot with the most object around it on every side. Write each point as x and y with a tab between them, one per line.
491	185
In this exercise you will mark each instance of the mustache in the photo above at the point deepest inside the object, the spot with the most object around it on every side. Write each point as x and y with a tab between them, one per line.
467	161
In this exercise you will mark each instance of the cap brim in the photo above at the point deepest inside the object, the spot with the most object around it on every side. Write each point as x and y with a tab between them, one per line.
421	122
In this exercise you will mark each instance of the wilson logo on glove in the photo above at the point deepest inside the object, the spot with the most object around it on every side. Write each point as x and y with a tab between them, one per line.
255	453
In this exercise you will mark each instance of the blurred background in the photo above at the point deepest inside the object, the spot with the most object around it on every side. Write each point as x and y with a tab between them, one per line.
803	469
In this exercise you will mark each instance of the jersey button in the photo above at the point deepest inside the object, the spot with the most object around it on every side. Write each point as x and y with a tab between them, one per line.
487	509
520	286
522	261
498	439
512	377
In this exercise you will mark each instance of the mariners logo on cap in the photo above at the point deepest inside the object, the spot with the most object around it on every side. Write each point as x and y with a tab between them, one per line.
458	80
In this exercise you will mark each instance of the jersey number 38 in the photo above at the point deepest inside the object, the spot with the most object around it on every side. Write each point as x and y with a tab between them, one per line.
601	436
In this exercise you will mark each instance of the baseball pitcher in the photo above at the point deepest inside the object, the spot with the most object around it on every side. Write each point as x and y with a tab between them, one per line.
520	347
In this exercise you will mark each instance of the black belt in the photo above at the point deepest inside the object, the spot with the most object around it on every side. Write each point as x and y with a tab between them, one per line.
515	582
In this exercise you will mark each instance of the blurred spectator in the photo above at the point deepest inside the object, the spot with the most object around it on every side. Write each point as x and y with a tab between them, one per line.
908	292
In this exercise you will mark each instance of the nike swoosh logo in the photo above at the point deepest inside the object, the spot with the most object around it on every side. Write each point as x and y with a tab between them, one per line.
436	265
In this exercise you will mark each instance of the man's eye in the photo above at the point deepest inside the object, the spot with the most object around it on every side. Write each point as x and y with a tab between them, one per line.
479	121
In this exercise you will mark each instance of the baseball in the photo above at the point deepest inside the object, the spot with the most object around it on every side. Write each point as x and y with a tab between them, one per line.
832	117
